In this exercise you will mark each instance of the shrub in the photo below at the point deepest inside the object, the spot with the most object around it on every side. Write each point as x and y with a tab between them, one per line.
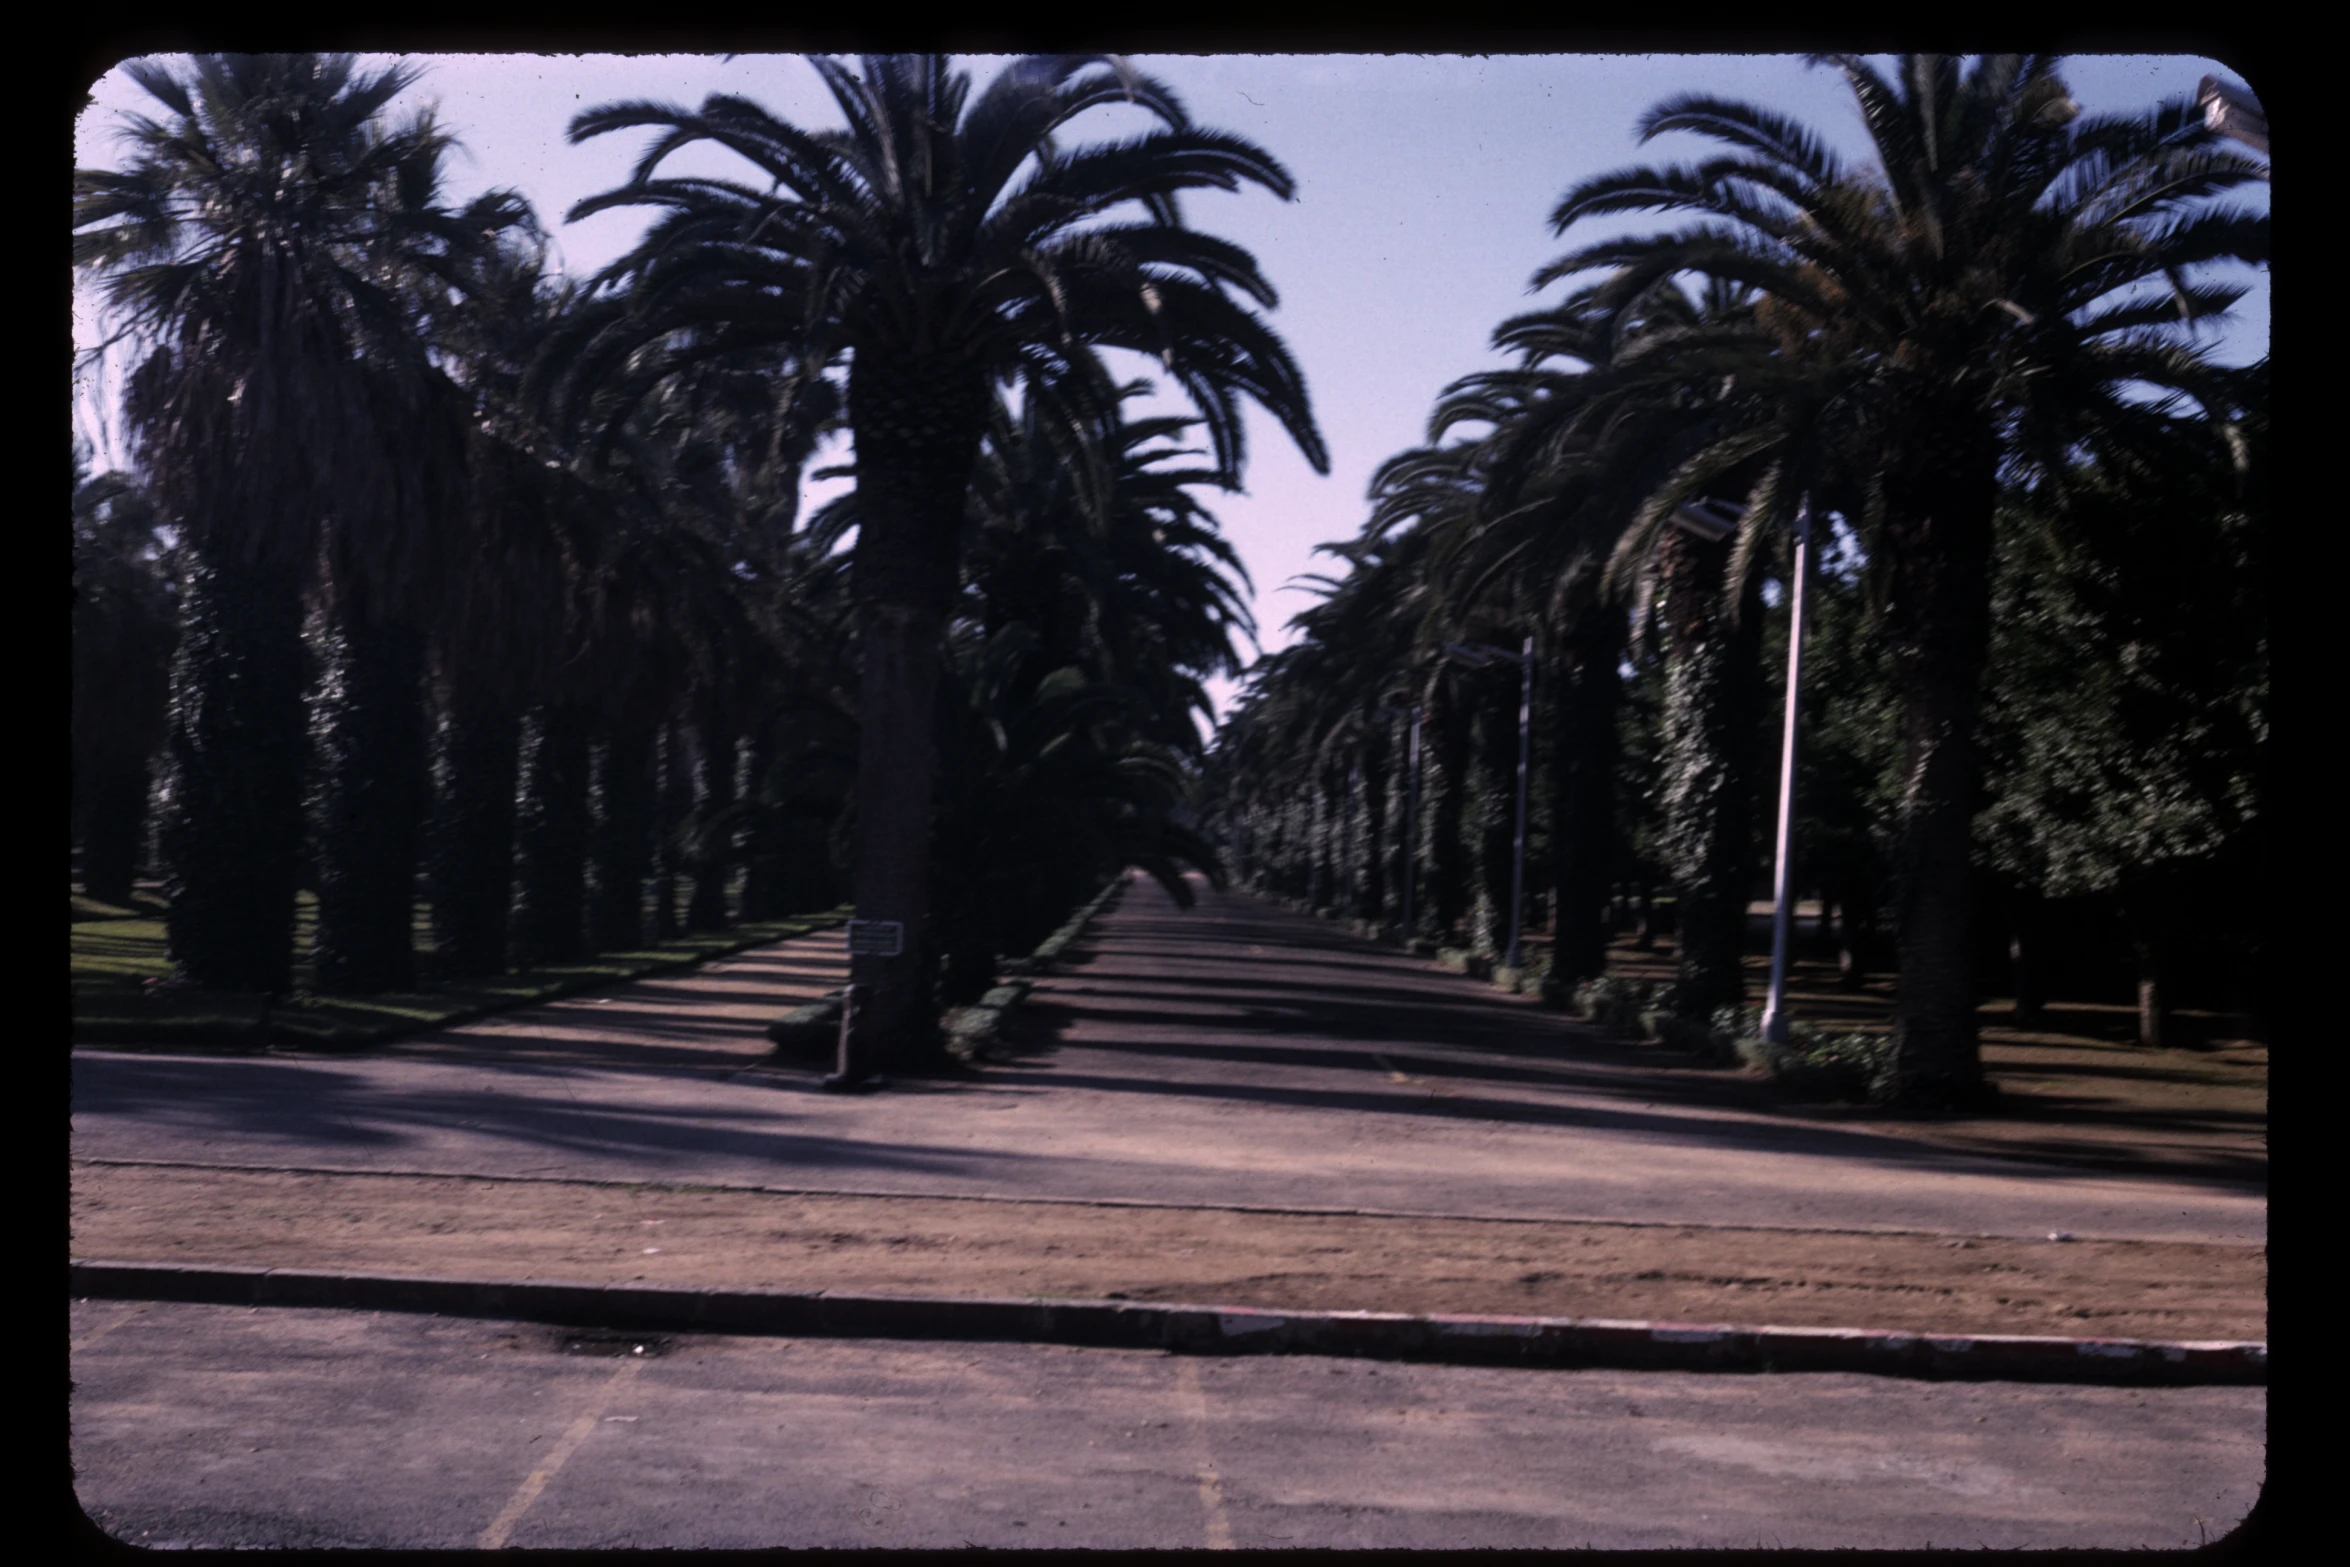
1819	1064
1614	1003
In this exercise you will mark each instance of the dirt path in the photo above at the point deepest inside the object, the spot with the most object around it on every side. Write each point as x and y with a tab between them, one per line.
584	1232
2077	1088
1184	1094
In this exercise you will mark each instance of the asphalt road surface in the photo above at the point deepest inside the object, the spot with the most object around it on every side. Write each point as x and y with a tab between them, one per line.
202	1426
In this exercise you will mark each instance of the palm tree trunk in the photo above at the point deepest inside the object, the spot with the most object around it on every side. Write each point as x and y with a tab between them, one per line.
113	809
551	838
1491	807
1362	839
2023	956
2143	907
1713	683
1823	940
2153	1000
372	770
896	759
1584	780
714	797
473	834
1378	898
765	846
1444	863
621	847
1939	501
673	806
916	426
1399	849
231	837
1292	841
1329	873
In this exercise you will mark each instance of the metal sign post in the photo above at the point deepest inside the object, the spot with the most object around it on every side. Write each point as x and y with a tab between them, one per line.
877	938
853	1071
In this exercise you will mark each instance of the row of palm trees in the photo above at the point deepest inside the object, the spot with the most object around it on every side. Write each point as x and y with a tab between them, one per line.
1934	357
442	546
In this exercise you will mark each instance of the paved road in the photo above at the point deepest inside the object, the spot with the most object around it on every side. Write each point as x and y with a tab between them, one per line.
219	1427
1233	1054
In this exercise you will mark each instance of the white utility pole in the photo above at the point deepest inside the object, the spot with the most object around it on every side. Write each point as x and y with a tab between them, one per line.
1774	1019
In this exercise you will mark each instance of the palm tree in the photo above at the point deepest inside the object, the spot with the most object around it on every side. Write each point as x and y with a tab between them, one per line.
250	247
1598	414
498	634
395	551
943	243
124	626
1098	594
1973	307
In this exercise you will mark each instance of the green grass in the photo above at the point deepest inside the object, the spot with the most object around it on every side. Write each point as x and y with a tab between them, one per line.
116	954
142	905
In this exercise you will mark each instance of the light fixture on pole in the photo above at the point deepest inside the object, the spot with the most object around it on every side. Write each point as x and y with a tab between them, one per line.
1479	656
2231	111
1709	520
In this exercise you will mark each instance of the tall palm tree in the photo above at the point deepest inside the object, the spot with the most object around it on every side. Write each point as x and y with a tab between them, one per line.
249	247
943	242
124	626
1997	288
1110	555
396	549
498	635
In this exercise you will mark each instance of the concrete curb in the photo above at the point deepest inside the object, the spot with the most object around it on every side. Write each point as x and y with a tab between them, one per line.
974	1031
1452	960
1543	1342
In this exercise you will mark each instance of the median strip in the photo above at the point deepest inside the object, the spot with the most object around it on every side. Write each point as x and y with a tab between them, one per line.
811	1033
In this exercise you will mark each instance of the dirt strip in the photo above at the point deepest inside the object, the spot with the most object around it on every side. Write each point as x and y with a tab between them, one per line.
579	1232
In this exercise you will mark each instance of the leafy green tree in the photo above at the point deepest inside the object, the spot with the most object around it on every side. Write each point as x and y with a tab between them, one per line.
941	243
1974	304
2128	698
1848	761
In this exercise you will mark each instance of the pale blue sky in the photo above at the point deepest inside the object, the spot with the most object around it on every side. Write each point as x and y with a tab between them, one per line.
1424	188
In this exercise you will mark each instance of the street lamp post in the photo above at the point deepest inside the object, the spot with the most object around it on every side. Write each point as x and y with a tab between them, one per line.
1774	1019
1479	656
1713	521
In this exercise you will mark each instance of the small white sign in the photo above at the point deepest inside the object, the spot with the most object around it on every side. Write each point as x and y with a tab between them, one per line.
877	938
